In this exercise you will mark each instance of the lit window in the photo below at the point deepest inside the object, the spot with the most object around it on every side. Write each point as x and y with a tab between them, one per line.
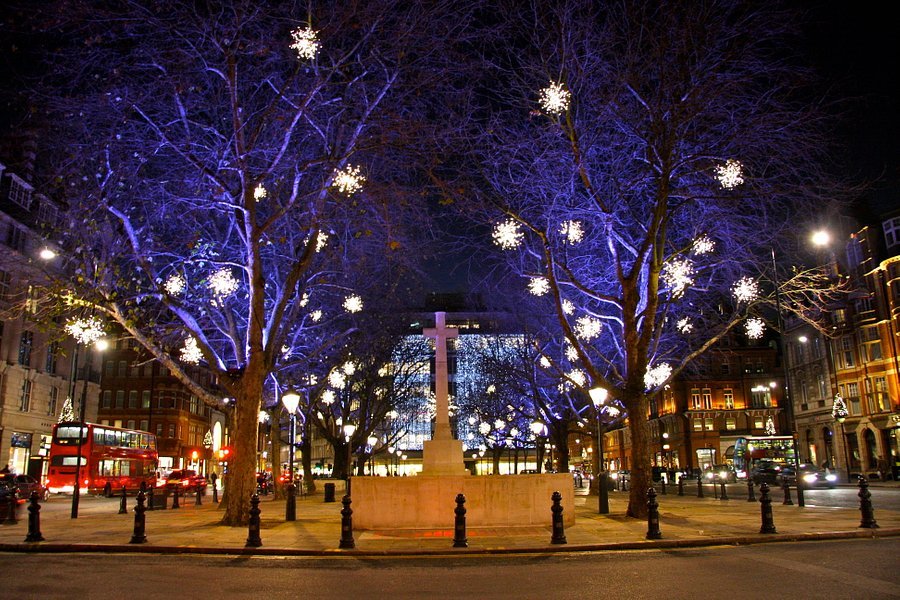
20	192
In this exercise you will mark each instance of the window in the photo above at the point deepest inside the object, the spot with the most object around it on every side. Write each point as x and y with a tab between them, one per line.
53	403
698	424
50	363
171	430
15	238
47	213
145	399
823	392
123	369
847	352
710	424
728	393
25	343
107	399
159	429
724	368
143	424
853	401
707	398
120	398
892	232
882	400
130	424
695	398
730	423
25	400
135	371
20	192
760	396
132	400
110	368
758	423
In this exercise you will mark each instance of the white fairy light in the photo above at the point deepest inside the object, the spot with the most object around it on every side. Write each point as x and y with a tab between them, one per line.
684	325
286	351
484	428
678	275
262	417
656	376
304	299
770	426
730	174
259	193
577	376
507	235
349	368
703	245
571	353
222	282
545	362
349	180
85	331
538	286
328	397
567	307
555	98
587	328
321	241
353	304
337	380
613	411
754	328
745	289
572	231
316	316
175	284
499	425
305	43
491	389
190	353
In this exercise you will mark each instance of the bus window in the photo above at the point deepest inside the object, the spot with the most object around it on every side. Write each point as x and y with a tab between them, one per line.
68	434
67	461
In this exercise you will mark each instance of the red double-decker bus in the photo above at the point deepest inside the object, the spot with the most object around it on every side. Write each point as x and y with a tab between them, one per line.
111	457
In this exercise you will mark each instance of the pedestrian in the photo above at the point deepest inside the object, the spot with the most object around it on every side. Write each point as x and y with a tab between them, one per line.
213	478
882	468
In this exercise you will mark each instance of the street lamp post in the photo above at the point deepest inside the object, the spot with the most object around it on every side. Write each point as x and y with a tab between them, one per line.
537	428
349	430
372	441
86	335
788	402
291	400
598	398
839	412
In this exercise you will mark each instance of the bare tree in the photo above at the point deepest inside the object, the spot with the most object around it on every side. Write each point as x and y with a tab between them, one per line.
642	165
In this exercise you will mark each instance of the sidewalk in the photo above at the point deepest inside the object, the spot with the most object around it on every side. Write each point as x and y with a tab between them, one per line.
684	522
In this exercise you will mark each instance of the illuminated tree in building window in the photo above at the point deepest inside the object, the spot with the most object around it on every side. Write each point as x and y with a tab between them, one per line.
686	153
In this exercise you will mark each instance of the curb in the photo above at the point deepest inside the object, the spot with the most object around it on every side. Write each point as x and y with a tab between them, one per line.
50	548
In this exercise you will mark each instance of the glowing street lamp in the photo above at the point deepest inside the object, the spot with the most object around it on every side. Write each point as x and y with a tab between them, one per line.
599	395
291	400
349	430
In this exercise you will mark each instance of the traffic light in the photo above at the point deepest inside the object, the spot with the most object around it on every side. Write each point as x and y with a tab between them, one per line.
224	454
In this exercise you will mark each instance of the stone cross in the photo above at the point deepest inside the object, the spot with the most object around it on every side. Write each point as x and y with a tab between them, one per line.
441	333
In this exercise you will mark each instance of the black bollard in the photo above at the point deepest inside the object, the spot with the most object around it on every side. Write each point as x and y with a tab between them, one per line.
699	487
12	507
290	507
253	539
559	533
123	504
787	493
329	492
765	506
175	503
751	496
663	486
139	536
199	502
346	525
215	493
459	526
653	532
681	484
34	519
865	505
724	494
149	498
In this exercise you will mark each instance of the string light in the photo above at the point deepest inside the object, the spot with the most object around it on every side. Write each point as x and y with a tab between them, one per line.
555	98
175	284
348	181
745	289
316	316
305	43
508	235
703	245
684	325
337	380
259	193
86	330
222	282
567	307
572	231
328	397
190	353
678	275
321	241
729	174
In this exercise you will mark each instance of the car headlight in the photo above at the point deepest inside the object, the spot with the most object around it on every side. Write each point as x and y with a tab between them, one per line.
723	474
615	475
831	477
709	475
810	478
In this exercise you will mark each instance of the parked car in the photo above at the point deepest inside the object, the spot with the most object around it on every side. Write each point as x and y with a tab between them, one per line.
766	471
811	476
719	473
24	485
186	479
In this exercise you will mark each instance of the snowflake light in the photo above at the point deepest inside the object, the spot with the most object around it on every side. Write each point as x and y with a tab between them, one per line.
577	376
729	174
703	245
316	316
349	368
545	362
499	425
538	286
754	328
508	235
484	428
349	180
684	325
286	351
304	299
305	43
222	282
572	231
491	389
657	375
567	307
175	284
337	380
571	353
328	397
85	331
745	289
259	193
555	98
678	275
353	304
587	328
190	353
262	417
321	241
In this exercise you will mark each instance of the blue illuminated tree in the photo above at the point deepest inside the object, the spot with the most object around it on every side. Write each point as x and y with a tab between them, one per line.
642	165
240	179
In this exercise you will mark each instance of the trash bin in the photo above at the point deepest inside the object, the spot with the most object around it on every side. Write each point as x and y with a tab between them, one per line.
329	492
160	499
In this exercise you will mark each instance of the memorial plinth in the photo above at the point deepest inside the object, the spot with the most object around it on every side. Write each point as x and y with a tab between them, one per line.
427	502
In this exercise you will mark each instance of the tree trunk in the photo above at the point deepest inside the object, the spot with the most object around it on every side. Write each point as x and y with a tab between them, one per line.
241	478
496	452
275	436
340	468
640	455
306	458
559	432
